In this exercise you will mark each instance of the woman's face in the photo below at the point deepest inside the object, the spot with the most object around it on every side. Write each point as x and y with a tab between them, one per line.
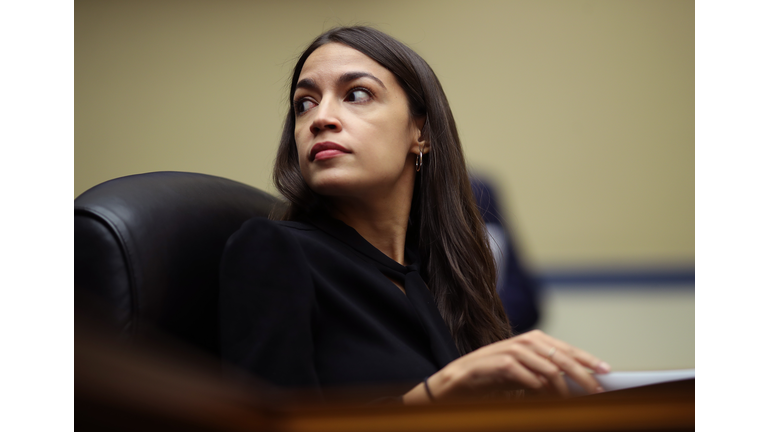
354	134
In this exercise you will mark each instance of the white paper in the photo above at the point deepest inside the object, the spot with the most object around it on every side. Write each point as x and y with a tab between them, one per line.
624	380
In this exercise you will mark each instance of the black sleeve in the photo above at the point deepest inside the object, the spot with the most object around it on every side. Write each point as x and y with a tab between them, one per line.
266	302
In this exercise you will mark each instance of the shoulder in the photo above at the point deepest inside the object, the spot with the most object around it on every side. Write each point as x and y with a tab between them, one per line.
262	247
267	224
261	235
266	240
263	228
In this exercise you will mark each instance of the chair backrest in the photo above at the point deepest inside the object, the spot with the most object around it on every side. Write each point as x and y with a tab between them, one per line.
148	246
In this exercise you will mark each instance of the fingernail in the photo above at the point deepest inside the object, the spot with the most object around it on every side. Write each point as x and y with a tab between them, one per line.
603	367
599	389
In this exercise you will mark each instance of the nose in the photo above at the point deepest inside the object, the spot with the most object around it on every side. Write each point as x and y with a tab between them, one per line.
326	118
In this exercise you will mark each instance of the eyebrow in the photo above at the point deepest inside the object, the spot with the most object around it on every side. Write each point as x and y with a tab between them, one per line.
310	84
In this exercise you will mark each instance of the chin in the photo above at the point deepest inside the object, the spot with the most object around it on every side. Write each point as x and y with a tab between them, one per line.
332	185
348	183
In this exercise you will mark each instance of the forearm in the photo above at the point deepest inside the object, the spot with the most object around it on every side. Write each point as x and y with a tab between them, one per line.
532	361
432	389
416	396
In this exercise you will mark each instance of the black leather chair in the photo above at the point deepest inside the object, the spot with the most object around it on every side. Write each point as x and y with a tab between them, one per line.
147	251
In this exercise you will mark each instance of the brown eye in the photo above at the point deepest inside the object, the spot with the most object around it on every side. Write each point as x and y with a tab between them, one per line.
359	95
303	105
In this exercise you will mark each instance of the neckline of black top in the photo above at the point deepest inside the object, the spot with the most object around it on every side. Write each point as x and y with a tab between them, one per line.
441	341
351	237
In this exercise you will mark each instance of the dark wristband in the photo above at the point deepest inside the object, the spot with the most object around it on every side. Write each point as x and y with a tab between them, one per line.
429	392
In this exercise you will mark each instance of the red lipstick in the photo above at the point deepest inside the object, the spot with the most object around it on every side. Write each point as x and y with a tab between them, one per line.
326	150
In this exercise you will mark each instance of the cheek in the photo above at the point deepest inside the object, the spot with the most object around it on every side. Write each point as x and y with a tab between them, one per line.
301	147
297	138
302	162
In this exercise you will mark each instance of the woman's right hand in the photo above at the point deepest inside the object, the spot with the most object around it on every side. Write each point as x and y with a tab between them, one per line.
533	360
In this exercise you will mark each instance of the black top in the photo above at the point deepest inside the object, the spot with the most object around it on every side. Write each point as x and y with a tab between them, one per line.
309	304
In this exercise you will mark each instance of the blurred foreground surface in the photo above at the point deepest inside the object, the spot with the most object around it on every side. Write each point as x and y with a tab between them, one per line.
158	386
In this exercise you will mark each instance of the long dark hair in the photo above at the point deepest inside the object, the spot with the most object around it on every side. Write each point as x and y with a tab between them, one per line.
445	223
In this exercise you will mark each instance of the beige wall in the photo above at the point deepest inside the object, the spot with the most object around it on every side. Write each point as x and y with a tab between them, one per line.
582	111
633	328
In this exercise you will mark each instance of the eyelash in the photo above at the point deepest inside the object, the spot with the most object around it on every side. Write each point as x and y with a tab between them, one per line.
297	103
363	89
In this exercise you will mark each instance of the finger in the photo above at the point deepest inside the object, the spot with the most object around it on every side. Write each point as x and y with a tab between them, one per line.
547	388
569	359
583	357
590	361
577	372
516	372
501	372
545	368
532	348
565	358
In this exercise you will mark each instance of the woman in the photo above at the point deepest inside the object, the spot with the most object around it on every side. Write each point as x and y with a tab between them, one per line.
380	272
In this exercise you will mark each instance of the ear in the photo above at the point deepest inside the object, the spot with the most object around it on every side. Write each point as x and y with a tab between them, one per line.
420	143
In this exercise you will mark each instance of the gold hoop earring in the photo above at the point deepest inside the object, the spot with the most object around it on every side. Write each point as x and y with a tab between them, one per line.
419	162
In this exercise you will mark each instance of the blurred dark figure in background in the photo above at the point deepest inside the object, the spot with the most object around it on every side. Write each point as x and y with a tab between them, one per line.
517	289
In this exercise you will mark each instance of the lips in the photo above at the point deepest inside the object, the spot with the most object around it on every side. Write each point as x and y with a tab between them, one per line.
326	150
